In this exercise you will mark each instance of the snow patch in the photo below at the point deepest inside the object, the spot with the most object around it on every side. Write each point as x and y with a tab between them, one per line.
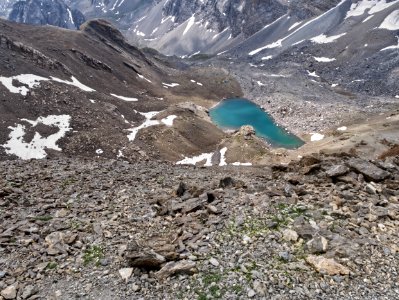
316	137
294	25
142	77
170	84
241	164
391	47
168	121
196	159
323	39
128	99
323	59
343	128
74	82
267	57
35	149
391	22
313	74
223	157
30	80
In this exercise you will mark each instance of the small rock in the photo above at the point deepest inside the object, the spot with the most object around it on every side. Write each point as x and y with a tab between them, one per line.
9	292
29	291
104	262
181	189
126	273
327	265
337	170
214	262
136	288
284	255
247	130
212	209
55	242
259	288
318	244
290	235
61	213
227	182
251	293
172	268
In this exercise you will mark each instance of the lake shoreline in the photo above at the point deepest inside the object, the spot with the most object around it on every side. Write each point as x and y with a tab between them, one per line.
233	113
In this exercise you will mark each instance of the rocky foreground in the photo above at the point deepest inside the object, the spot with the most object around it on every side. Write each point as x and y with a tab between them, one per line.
322	228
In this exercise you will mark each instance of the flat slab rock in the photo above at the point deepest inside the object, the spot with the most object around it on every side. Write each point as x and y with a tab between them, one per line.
179	267
327	265
337	170
368	169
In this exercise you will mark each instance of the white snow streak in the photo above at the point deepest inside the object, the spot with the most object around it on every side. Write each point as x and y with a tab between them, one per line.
74	82
128	99
323	39
324	59
190	23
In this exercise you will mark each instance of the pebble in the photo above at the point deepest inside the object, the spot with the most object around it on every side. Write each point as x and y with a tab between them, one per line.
126	273
214	262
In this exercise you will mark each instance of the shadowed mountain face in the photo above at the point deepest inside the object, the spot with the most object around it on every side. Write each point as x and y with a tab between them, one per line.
42	12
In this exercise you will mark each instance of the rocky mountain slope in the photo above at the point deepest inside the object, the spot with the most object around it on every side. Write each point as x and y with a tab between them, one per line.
42	12
91	93
326	227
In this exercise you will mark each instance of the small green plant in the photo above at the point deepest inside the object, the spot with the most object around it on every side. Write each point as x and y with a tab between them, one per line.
161	179
52	265
93	254
212	277
286	213
67	182
75	224
44	218
201	295
237	288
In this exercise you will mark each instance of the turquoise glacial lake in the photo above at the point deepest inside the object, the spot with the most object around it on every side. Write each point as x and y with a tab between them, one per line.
237	112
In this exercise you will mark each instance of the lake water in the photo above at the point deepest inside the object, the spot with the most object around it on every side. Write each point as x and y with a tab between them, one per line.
234	113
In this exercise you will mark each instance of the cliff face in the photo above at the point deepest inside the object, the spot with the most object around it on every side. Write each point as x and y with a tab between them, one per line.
42	12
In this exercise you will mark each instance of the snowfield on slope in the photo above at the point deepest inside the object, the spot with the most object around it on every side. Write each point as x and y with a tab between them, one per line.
33	81
35	149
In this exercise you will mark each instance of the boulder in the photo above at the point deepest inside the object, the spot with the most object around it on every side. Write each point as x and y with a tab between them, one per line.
9	292
368	169
143	257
